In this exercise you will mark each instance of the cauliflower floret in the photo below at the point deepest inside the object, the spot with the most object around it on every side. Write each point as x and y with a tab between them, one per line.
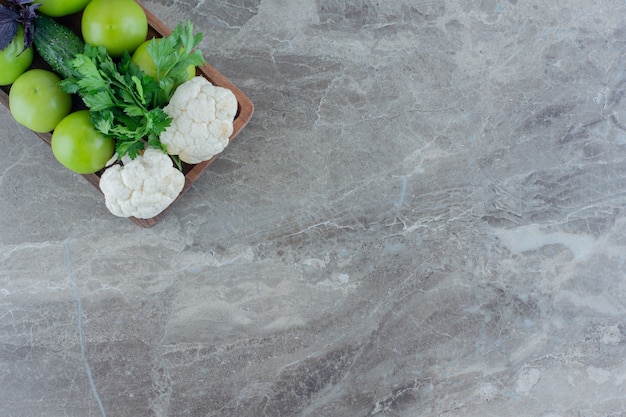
202	120
142	187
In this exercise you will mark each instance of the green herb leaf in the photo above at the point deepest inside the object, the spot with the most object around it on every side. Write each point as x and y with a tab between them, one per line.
172	56
99	100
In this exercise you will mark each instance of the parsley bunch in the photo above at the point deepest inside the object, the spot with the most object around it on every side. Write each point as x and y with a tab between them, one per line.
119	98
124	102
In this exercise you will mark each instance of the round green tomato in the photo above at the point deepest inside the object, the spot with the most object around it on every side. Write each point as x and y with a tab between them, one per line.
118	25
78	146
37	102
144	61
13	61
57	8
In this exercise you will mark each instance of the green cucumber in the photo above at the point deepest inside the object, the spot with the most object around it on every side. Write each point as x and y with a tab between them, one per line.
57	44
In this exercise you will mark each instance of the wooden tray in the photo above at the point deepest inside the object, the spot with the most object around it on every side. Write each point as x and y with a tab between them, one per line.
155	29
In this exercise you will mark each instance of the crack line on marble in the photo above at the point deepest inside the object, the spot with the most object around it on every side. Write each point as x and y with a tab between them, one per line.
403	188
81	336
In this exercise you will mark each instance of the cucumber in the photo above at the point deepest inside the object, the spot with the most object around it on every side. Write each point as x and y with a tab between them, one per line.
57	44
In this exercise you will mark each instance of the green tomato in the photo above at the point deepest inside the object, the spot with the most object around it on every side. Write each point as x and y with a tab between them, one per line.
78	146
12	62
57	8
37	102
118	25
144	61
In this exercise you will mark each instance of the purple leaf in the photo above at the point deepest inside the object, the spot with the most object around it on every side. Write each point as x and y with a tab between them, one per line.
7	15
17	12
7	33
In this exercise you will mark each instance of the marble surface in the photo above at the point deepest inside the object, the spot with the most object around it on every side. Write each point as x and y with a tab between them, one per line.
425	217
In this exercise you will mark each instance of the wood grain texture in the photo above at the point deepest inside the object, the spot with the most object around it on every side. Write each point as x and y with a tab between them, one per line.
156	28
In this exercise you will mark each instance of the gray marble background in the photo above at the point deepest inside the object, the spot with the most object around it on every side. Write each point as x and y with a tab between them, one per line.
425	217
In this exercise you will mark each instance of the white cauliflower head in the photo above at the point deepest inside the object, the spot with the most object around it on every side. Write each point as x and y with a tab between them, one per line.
202	120
142	187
